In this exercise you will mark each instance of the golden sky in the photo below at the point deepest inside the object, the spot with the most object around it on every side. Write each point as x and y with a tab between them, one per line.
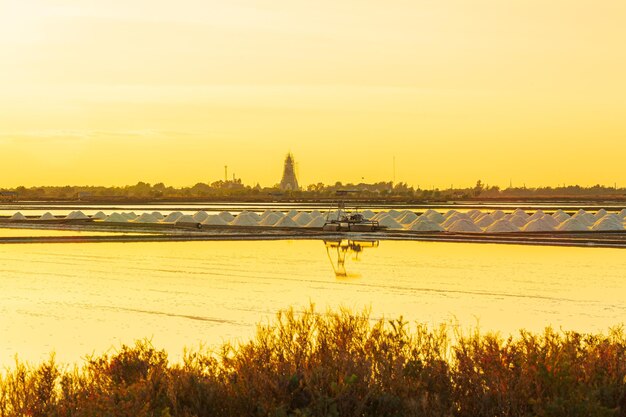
114	92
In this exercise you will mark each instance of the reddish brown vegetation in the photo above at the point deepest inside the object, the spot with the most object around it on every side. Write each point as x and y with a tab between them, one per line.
339	364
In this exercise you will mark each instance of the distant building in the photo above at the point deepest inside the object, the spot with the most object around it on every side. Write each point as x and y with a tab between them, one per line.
289	181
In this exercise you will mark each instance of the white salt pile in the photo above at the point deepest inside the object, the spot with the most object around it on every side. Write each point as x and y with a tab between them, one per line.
317	222
520	212
560	216
254	215
17	216
608	223
270	219
551	220
266	213
302	218
99	216
394	213
585	218
157	215
464	226
186	219
572	224
600	214
450	213
226	216
436	217
130	216
497	215
286	222
48	216
244	219
474	213
502	226
116	218
519	220
485	221
146	218
424	226
389	222
407	218
200	216
622	213
172	217
214	220
539	225
367	214
77	215
292	213
536	215
454	218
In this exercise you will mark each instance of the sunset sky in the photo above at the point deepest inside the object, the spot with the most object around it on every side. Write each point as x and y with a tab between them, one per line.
119	91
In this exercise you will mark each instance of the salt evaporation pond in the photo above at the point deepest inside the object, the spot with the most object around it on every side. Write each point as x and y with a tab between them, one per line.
78	299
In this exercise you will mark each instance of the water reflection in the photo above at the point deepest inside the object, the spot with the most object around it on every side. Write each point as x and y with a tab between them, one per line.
338	251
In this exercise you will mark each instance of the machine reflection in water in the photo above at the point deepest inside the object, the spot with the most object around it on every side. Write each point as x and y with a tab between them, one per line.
338	251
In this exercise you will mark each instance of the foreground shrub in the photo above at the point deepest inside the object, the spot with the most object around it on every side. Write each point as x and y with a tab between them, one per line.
338	364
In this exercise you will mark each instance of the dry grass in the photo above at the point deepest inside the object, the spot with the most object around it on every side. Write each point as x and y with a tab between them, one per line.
338	364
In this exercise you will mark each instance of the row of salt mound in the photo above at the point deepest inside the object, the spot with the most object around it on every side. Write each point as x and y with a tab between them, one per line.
286	222
244	219
99	216
608	222
539	225
485	221
47	216
434	216
502	226
586	219
186	219
454	217
572	224
116	218
318	221
146	218
424	224
200	216
302	218
407	218
130	216
77	215
17	216
226	216
214	220
270	219
464	226
560	216
172	217
389	222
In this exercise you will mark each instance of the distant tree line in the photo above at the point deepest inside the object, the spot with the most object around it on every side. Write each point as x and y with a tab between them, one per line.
236	190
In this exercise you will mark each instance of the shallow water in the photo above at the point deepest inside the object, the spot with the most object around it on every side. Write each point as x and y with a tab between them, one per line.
36	232
78	299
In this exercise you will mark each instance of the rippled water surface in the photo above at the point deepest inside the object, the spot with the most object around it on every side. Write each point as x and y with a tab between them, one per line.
86	298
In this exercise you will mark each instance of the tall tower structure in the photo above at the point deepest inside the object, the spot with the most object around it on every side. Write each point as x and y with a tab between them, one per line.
289	181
